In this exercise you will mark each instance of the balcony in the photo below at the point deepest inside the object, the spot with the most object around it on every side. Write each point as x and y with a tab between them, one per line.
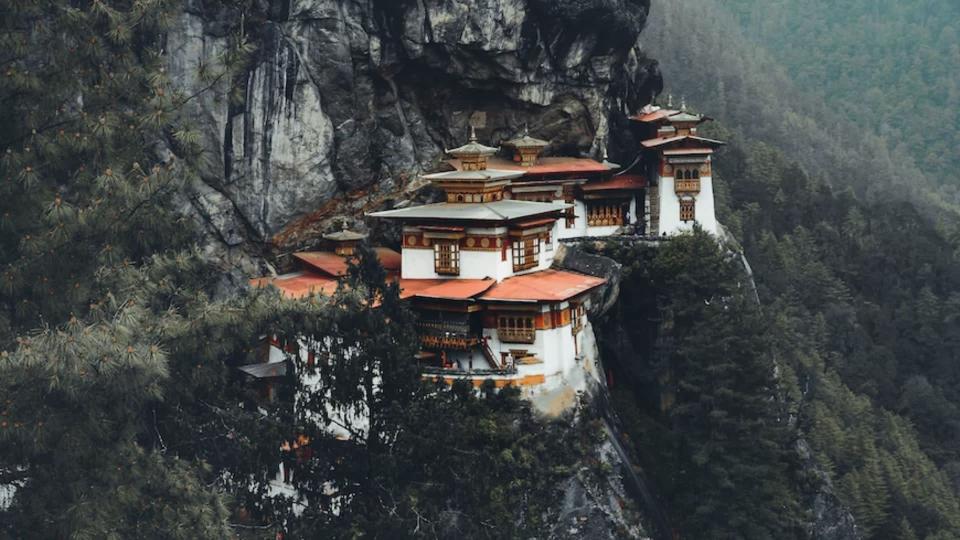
517	335
687	186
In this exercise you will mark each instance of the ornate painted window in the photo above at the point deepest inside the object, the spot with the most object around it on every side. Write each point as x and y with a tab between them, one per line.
526	253
687	209
516	328
446	257
604	214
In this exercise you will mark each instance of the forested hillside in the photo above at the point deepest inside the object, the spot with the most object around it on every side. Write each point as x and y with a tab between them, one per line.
887	65
121	411
862	285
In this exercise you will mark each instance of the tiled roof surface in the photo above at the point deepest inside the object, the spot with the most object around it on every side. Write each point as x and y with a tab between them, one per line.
444	289
336	265
547	285
299	284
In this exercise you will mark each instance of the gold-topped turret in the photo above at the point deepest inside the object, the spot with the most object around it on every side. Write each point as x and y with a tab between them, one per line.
473	155
345	241
526	148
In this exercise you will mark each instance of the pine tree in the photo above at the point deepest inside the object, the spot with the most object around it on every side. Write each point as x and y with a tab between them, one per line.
86	101
728	417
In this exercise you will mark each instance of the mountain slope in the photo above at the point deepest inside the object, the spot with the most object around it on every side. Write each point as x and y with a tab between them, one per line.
859	275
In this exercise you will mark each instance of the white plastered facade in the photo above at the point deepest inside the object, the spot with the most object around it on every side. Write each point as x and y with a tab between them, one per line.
704	207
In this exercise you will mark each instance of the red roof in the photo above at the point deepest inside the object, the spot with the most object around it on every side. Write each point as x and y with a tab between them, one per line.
624	181
544	286
336	265
299	284
444	289
389	259
654	116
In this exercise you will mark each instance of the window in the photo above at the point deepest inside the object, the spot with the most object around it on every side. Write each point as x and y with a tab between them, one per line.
526	253
549	242
687	207
516	329
571	218
544	197
446	257
605	214
578	313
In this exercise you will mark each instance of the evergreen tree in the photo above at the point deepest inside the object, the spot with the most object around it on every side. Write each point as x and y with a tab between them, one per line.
84	182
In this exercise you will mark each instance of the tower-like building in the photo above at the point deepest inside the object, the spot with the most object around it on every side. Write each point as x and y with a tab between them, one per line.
681	172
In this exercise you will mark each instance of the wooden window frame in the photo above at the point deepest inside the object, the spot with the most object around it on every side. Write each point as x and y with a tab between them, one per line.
578	313
605	214
515	328
688	210
446	264
527	249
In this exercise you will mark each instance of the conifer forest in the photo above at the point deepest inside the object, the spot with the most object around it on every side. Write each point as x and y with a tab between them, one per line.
533	269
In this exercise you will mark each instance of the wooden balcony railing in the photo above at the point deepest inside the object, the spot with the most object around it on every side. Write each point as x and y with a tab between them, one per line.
687	186
517	335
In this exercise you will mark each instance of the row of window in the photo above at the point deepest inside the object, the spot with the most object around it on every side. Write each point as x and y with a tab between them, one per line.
606	214
686	173
526	255
522	328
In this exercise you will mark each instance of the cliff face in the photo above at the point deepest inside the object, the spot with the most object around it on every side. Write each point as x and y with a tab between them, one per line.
344	98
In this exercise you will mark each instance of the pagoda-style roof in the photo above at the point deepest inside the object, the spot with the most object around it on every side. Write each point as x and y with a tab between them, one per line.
684	116
503	210
654	115
526	141
667	141
345	236
472	148
486	175
543	286
662	116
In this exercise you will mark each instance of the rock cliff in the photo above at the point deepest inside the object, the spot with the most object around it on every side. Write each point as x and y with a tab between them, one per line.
344	101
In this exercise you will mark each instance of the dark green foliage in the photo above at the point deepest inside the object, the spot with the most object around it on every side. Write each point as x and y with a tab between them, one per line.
861	285
717	437
885	64
458	467
87	110
859	292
